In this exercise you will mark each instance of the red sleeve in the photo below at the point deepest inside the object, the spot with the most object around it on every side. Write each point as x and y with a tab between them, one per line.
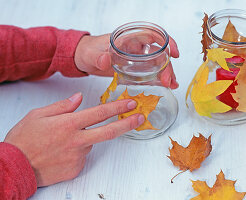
37	53
17	178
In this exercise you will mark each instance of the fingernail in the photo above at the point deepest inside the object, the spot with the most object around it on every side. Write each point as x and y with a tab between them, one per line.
141	119
75	97
131	105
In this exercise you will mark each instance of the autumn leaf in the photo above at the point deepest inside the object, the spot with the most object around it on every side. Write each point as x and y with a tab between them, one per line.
240	95
111	88
195	79
206	41
232	35
145	105
223	189
191	157
219	55
204	95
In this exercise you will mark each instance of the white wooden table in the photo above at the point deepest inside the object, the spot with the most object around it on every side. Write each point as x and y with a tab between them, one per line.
123	169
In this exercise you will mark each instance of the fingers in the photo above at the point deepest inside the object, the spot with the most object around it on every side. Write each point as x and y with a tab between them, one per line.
94	115
168	78
103	61
173	48
60	107
112	130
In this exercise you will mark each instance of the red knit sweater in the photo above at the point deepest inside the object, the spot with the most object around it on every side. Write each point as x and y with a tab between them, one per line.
31	54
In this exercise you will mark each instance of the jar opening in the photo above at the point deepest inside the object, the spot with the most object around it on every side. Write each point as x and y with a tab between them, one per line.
218	21
141	40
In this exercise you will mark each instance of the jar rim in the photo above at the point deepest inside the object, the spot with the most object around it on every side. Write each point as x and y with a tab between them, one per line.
136	25
225	13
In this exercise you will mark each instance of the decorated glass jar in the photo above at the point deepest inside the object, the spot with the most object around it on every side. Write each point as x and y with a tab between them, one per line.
139	54
218	89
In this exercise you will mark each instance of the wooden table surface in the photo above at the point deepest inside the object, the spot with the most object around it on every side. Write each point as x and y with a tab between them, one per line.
124	169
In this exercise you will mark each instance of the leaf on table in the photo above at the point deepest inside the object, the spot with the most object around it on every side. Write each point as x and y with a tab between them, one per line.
195	79
219	55
190	157
240	95
204	95
223	189
232	35
145	105
111	88
206	41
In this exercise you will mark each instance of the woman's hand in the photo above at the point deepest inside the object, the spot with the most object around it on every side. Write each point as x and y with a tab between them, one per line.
92	55
55	139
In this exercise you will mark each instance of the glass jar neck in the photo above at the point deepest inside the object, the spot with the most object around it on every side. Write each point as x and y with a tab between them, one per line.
218	22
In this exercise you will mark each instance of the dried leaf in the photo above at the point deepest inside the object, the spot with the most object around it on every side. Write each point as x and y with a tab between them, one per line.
219	55
206	41
223	189
111	88
191	157
232	35
240	95
204	95
145	105
195	79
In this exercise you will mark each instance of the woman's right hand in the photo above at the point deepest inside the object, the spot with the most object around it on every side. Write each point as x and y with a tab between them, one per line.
55	139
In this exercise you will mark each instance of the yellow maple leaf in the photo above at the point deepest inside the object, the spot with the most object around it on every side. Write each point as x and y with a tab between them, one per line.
204	95
145	105
240	95
111	88
223	189
219	55
195	79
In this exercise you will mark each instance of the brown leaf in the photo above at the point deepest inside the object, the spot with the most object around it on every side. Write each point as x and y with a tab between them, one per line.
191	157
240	95
231	35
223	189
206	41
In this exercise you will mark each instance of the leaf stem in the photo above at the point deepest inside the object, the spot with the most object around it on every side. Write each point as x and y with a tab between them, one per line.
178	174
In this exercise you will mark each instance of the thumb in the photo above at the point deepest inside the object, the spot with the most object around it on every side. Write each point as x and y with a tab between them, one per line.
104	61
61	107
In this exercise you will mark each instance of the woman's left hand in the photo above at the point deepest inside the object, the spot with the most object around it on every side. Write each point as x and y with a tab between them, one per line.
92	56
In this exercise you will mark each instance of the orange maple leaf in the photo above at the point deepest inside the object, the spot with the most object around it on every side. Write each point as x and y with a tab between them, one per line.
240	95
111	88
231	34
145	105
222	190
191	157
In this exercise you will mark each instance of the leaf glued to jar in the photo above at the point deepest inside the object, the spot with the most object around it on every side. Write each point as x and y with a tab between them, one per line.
232	35
111	88
145	105
206	41
240	95
204	96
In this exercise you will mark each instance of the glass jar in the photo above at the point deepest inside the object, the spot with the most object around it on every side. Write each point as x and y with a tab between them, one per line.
224	47
139	53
